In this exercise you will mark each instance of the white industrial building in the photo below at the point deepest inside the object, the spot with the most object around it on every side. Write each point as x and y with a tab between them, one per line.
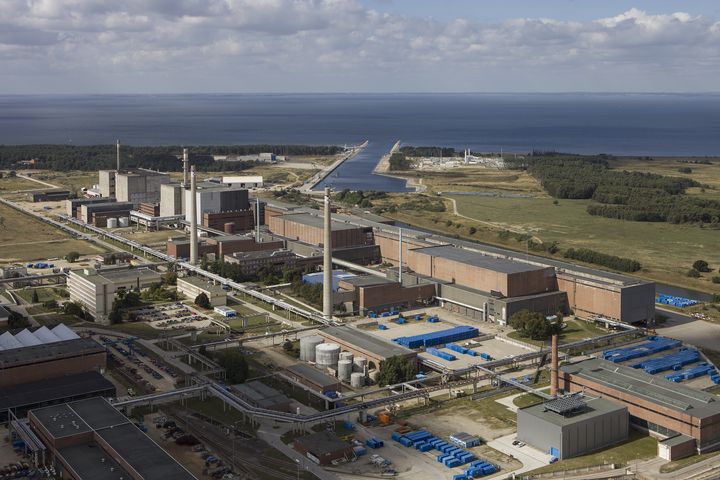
247	181
214	197
191	287
96	289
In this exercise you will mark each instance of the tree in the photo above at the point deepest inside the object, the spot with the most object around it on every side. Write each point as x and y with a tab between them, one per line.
472	230
701	266
74	308
202	301
534	325
170	278
72	256
692	273
235	365
17	320
396	370
34	298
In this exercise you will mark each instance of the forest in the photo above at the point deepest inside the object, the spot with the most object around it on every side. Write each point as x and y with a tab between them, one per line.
165	158
634	196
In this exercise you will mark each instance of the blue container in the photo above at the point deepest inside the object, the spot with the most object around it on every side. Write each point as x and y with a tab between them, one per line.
452	462
396	436
382	327
441	458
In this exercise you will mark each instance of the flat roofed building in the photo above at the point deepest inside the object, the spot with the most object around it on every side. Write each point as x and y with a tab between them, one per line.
597	424
324	447
191	287
96	289
251	262
216	198
47	360
308	228
139	186
171	199
481	272
73	205
90	440
312	377
54	195
246	181
369	292
656	405
362	344
260	395
87	211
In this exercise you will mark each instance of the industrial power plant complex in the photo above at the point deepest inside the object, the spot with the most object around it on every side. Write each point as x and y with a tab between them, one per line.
222	325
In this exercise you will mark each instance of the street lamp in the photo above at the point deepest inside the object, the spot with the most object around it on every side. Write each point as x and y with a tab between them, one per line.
297	462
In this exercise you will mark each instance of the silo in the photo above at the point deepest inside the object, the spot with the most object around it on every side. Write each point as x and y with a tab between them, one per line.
344	370
124	221
357	380
360	364
307	347
327	355
346	356
112	223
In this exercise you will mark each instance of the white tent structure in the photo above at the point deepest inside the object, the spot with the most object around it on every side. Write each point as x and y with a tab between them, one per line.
41	336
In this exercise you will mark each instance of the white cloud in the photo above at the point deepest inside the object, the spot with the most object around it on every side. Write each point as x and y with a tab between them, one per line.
296	45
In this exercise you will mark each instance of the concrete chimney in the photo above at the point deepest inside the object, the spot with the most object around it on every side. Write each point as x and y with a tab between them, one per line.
185	167
193	218
257	220
400	259
118	156
327	260
554	381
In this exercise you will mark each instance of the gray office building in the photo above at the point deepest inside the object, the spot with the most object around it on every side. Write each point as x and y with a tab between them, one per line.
573	426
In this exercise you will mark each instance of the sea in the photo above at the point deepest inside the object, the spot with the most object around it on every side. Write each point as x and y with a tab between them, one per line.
620	124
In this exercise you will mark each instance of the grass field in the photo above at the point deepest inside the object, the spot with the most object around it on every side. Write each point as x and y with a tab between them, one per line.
638	447
73	180
666	251
12	184
574	330
44	294
24	238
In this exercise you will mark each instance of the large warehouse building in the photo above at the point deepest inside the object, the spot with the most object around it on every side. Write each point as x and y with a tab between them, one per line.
308	228
91	440
362	344
665	409
572	426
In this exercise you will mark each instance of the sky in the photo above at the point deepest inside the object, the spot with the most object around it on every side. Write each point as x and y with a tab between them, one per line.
208	46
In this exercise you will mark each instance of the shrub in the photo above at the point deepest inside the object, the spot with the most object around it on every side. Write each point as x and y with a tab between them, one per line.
692	273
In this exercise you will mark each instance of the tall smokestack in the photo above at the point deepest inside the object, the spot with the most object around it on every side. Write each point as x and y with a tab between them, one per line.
257	220
185	168
400	269
118	155
327	260
193	218
554	381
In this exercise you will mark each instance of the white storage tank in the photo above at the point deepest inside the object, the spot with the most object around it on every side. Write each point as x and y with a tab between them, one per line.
344	370
346	356
124	221
112	223
357	380
327	355
360	364
307	347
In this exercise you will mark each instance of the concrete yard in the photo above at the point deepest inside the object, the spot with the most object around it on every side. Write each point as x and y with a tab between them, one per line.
494	347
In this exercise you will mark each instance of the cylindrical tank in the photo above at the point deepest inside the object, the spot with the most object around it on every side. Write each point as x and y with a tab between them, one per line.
360	364
229	227
124	221
346	356
357	380
307	347
344	370
112	222
327	355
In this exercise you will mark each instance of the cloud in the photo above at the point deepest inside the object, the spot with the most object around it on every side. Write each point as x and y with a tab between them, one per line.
316	45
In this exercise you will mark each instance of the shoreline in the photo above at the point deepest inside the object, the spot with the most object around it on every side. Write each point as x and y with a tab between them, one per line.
325	172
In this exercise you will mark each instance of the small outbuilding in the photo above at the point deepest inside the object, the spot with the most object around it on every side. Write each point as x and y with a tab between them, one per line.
324	447
572	426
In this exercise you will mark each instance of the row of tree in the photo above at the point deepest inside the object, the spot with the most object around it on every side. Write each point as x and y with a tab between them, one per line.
399	161
359	197
598	258
634	196
98	157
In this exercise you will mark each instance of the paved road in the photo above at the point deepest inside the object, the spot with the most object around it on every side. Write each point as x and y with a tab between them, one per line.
690	330
530	457
272	436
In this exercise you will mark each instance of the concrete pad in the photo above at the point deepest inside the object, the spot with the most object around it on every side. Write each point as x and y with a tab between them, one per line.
530	457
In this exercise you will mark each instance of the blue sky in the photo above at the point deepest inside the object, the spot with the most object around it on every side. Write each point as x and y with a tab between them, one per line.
161	46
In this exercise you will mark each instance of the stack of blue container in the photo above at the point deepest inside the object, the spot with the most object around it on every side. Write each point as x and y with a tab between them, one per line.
375	443
439	353
674	361
697	371
715	378
433	319
459	349
675	301
652	346
438	338
450	455
485	356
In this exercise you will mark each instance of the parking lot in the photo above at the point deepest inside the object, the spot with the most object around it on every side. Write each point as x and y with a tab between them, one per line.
173	316
149	373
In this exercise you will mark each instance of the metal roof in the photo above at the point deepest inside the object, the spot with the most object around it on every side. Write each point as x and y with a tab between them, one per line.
637	383
32	354
366	341
316	221
312	374
366	280
89	460
565	405
477	259
53	390
595	407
